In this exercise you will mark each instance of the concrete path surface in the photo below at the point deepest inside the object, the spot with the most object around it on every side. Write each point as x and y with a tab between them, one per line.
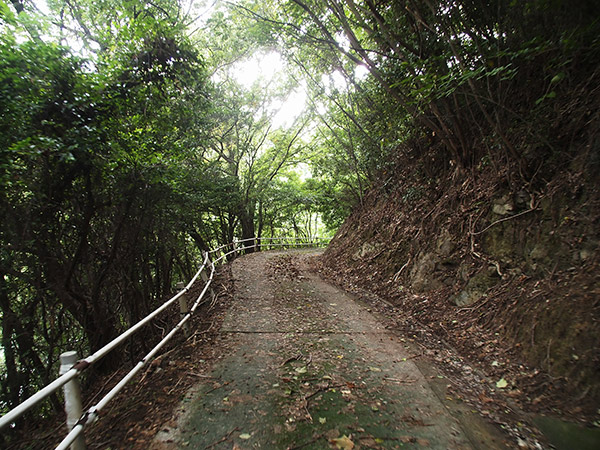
306	366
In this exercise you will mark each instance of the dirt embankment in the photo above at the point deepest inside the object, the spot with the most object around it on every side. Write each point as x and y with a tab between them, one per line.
502	270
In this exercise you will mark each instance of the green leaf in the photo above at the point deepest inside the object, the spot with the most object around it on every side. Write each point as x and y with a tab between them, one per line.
6	13
501	383
557	78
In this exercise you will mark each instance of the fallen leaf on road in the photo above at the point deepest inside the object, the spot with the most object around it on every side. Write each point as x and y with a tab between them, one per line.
501	383
332	434
368	441
485	399
245	436
343	443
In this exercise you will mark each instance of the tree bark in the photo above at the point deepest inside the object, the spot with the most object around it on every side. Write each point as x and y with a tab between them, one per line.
247	223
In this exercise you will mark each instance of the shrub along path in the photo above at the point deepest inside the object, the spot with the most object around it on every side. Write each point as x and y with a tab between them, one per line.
306	366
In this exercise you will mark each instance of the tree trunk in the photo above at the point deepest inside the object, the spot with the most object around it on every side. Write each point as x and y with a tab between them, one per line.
22	333
12	382
261	224
247	223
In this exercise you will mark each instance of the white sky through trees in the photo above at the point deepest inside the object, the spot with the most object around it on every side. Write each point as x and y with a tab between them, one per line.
270	67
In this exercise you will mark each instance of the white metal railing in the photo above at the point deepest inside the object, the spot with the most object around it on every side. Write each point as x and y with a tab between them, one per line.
70	368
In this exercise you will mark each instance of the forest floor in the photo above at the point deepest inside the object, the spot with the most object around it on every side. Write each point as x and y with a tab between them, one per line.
301	364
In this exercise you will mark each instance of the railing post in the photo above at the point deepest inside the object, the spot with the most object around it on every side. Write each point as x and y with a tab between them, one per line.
183	308
72	392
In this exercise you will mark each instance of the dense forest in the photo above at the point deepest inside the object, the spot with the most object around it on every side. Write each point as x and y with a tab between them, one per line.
128	148
454	142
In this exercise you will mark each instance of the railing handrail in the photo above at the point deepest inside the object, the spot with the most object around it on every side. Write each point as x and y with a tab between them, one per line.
260	239
91	414
84	363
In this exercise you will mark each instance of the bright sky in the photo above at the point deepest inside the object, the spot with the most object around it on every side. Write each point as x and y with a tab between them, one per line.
260	66
266	68
291	108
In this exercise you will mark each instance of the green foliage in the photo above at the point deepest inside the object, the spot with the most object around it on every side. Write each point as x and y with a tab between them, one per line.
95	222
117	167
454	71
